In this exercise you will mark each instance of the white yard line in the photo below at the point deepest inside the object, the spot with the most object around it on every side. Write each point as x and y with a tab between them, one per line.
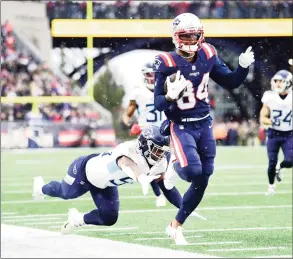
45	223
29	219
162	238
23	242
208	230
274	256
27	216
34	161
92	228
127	187
214	243
159	210
51	150
13	179
247	249
56	200
151	197
7	213
209	208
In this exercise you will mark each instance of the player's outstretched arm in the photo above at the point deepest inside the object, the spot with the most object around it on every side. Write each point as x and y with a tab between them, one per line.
223	76
129	113
265	116
129	167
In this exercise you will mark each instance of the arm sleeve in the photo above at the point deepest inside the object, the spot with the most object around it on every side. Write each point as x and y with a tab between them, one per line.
161	103
223	76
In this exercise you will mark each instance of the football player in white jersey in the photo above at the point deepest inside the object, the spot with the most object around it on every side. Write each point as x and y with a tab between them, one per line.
141	160
142	101
276	114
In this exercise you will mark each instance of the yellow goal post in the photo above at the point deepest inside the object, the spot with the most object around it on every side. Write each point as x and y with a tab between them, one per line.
37	100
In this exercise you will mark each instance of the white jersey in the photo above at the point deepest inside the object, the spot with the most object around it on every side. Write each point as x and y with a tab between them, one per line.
280	110
102	171
147	113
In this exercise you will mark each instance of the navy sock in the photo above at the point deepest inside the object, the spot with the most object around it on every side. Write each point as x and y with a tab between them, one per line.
155	188
173	195
271	174
100	217
190	201
53	189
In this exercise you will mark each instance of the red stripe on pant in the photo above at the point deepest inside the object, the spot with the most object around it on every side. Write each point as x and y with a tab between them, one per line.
179	153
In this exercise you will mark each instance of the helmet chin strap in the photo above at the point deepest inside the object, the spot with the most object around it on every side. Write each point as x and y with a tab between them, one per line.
186	55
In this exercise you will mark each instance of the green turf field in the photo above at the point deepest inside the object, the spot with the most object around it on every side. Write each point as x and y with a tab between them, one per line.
241	220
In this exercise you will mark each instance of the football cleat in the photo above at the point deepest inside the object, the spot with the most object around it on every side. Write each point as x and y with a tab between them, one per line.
176	234
75	220
37	193
279	173
161	201
271	189
170	176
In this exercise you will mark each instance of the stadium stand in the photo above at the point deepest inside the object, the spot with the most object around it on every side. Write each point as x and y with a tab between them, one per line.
148	9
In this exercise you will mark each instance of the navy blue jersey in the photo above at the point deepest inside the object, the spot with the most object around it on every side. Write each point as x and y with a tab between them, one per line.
194	103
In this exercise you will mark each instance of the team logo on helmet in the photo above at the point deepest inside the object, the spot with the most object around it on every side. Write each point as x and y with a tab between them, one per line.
176	22
147	133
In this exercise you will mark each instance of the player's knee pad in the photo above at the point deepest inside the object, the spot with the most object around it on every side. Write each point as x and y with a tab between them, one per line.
190	172
109	217
287	163
288	159
208	168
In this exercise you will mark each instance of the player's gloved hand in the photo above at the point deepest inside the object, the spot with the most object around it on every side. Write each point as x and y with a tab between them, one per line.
175	88
135	130
246	58
145	181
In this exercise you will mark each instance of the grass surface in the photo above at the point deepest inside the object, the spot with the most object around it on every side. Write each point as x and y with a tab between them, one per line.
241	220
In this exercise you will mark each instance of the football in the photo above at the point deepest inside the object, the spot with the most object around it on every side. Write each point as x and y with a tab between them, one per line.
172	79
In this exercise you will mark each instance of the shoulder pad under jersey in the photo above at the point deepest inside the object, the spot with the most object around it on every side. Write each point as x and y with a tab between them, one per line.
266	96
163	62
208	51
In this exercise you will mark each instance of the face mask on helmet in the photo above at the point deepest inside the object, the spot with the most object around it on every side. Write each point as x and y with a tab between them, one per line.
152	145
282	81
155	153
149	77
189	42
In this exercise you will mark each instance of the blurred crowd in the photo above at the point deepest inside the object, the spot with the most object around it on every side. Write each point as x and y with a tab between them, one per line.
130	9
21	75
235	133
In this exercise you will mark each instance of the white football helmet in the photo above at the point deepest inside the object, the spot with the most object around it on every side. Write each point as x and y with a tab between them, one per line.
148	76
187	33
286	81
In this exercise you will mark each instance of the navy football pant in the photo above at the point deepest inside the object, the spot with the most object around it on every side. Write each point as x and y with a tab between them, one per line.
75	184
195	150
279	140
156	188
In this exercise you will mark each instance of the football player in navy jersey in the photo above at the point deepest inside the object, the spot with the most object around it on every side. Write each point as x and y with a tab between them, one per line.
188	117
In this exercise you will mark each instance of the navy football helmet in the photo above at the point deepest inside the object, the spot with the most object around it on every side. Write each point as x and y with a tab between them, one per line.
286	81
152	145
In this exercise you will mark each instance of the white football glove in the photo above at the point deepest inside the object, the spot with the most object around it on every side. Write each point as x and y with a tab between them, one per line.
145	181
175	88
246	58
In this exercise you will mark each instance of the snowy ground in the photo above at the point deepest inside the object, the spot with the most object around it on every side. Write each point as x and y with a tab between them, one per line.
23	242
